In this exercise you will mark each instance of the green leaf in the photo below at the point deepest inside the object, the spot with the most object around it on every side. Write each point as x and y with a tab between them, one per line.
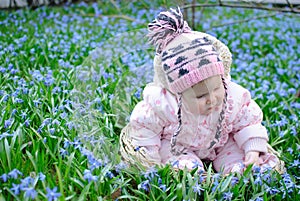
60	181
84	192
2	197
33	162
179	191
69	165
225	183
7	152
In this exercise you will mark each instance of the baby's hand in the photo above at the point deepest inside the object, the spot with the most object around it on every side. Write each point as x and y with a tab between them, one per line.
251	158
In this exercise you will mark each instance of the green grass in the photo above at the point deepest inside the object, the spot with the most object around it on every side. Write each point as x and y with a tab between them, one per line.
62	111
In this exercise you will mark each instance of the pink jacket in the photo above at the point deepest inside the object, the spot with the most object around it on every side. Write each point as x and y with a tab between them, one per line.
154	119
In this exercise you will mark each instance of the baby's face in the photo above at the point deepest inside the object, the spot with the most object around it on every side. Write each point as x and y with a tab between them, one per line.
205	97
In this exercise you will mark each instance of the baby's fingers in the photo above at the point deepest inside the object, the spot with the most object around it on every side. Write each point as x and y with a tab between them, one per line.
251	158
250	161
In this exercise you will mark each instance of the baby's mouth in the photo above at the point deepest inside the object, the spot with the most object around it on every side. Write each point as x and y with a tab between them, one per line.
209	110
213	108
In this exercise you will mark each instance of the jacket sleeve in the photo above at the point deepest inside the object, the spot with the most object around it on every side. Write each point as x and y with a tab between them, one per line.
248	131
149	118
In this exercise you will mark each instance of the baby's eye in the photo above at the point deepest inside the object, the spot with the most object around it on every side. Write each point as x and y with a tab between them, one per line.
201	96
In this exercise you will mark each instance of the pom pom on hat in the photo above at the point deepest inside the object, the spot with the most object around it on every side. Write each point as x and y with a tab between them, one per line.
166	27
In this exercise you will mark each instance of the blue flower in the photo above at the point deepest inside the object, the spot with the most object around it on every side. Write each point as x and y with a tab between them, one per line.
256	169
145	185
272	191
23	115
246	180
26	182
7	123
49	80
201	176
14	173
55	122
77	143
288	185
197	188
46	122
296	163
4	177
196	164
121	166
5	135
294	117
13	112
30	192
227	195
150	173
63	115
97	100
215	185
290	150
89	176
36	102
27	122
175	163
32	51
16	189
67	143
41	176
2	69
52	194
234	181
111	96
258	180
19	100
25	90
163	187
52	131
70	125
15	93
258	199
23	39
56	90
110	175
138	93
63	152
295	105
294	131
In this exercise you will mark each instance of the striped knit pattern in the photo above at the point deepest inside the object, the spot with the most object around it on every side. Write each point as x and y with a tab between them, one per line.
189	59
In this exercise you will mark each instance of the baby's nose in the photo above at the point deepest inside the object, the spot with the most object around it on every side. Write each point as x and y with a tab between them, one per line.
212	100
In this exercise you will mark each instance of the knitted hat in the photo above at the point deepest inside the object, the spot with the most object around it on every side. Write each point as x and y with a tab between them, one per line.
187	57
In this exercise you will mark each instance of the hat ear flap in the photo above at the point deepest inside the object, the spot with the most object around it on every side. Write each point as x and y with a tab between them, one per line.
159	75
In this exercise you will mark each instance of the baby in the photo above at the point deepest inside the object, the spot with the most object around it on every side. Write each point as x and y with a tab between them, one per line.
193	112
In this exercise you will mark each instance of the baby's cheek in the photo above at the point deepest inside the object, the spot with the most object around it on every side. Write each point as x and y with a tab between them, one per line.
199	107
222	93
202	111
192	106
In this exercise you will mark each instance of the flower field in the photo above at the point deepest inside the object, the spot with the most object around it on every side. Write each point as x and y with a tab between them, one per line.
71	75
